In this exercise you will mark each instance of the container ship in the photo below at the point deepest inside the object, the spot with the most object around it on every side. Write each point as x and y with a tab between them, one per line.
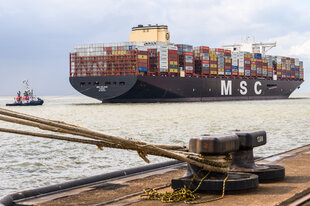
149	68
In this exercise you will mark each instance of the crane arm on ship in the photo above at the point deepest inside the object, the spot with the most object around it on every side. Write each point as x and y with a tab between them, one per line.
255	47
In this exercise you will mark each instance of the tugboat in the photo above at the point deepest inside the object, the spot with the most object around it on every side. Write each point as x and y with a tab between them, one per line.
28	99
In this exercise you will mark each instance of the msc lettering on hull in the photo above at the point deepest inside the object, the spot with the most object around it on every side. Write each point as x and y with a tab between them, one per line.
226	87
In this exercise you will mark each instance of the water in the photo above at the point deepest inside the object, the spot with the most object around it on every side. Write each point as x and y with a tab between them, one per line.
30	162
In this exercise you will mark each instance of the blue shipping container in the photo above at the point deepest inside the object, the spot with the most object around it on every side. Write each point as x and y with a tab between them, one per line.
142	69
257	55
130	47
234	67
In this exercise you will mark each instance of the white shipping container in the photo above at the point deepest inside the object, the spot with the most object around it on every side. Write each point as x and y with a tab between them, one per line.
296	61
234	54
242	71
235	59
188	59
172	47
163	66
189	68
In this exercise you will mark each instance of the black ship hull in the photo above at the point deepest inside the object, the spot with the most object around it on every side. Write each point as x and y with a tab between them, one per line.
181	89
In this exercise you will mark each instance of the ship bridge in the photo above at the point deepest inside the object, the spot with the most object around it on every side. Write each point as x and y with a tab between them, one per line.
253	47
150	33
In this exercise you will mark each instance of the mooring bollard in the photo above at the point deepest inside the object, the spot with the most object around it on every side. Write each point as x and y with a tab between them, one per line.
243	159
215	149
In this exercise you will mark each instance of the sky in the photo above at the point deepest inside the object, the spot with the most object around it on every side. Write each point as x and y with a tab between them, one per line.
37	36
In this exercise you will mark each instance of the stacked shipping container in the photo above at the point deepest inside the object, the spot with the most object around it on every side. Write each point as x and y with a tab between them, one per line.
202	60
244	64
173	59
159	58
186	59
153	61
227	63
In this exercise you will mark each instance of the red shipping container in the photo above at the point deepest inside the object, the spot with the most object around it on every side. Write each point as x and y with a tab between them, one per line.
188	53
204	48
219	50
253	73
142	61
188	64
142	52
172	51
204	51
205	61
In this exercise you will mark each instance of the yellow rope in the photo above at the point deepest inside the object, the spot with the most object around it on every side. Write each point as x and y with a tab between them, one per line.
210	200
182	194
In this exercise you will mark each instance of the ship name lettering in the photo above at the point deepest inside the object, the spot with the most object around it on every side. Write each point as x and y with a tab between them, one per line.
102	88
256	90
226	89
243	89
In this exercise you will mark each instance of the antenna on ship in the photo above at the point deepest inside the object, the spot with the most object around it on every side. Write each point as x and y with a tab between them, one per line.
26	82
255	47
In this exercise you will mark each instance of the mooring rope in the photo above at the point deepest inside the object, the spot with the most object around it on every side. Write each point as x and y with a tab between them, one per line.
143	148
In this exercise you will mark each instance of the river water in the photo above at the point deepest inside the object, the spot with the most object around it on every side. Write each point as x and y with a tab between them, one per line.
31	162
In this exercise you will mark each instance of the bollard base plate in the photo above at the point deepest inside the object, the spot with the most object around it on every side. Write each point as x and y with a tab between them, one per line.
265	173
236	181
